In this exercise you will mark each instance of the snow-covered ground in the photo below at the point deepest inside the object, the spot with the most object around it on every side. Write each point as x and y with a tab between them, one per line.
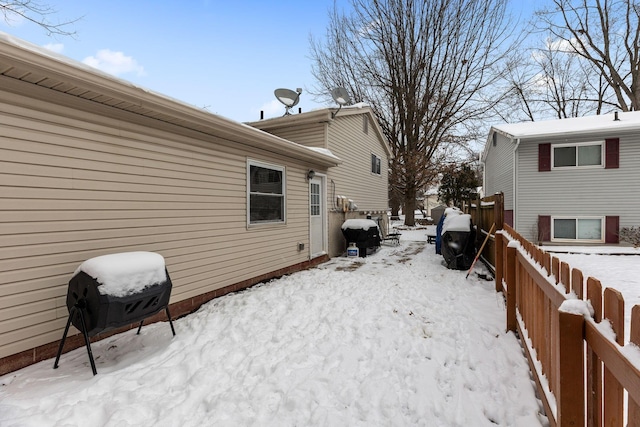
394	339
615	267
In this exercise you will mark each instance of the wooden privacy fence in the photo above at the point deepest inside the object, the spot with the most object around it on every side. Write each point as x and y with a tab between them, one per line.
484	213
578	358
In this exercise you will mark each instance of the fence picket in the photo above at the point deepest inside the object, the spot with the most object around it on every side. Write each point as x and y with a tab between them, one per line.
565	276
500	241
555	269
547	262
594	364
570	340
577	282
634	406
613	391
511	289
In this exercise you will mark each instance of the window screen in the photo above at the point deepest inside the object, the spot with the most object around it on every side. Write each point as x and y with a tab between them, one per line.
375	164
266	194
577	155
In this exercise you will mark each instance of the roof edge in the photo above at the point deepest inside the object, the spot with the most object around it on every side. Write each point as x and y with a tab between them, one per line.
64	69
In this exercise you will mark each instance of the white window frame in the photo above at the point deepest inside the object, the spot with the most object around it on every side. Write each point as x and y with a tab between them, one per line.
578	144
378	164
578	218
265	165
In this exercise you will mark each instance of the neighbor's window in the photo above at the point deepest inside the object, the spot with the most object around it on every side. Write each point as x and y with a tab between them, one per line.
266	193
365	124
585	229
577	155
375	164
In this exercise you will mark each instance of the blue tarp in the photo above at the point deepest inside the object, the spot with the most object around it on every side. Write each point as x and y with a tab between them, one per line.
439	235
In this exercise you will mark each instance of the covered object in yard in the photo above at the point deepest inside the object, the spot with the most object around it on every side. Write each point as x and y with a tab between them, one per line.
119	289
363	232
112	291
458	240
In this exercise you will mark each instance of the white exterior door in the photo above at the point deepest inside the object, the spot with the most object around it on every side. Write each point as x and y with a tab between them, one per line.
318	217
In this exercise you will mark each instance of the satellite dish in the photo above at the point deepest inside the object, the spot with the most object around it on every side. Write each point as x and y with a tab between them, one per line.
288	97
341	96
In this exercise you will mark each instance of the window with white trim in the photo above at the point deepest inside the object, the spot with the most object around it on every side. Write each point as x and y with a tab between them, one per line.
314	205
584	229
266	193
375	164
584	154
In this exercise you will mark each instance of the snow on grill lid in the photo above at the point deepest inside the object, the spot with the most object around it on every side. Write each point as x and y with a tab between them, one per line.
456	222
125	273
359	224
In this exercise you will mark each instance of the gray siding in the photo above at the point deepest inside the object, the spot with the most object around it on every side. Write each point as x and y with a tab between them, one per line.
578	192
85	181
498	175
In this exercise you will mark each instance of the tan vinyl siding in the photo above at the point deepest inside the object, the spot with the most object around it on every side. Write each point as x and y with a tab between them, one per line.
344	135
310	134
77	183
578	192
353	178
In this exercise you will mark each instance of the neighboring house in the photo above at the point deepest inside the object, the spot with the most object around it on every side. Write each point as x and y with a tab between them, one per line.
570	181
92	165
359	186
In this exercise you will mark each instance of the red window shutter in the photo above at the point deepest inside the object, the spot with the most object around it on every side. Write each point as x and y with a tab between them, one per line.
508	217
544	157
544	228
612	153
612	229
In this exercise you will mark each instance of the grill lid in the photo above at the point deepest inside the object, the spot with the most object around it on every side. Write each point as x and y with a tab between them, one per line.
125	273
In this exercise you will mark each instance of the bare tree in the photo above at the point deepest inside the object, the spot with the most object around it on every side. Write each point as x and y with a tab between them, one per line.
548	82
37	13
605	34
426	68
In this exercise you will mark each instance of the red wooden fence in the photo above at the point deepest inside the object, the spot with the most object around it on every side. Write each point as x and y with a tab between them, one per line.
581	365
485	213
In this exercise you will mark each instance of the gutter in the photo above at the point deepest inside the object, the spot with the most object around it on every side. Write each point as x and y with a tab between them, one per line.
514	181
27	59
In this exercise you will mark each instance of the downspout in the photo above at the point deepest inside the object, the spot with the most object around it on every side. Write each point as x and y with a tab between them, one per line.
515	180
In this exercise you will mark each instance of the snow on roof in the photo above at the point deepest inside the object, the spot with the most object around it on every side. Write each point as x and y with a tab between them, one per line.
587	124
357	105
325	151
125	273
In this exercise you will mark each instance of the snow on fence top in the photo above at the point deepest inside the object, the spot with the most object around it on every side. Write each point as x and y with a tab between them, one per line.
358	224
125	273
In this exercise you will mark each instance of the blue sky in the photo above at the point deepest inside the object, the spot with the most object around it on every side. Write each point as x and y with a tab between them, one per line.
227	56
223	55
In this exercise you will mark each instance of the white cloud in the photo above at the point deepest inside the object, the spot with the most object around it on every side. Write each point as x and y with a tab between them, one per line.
115	63
11	18
54	47
369	29
561	45
272	108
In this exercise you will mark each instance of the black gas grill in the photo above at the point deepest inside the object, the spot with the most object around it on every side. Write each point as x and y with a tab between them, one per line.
364	233
93	312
